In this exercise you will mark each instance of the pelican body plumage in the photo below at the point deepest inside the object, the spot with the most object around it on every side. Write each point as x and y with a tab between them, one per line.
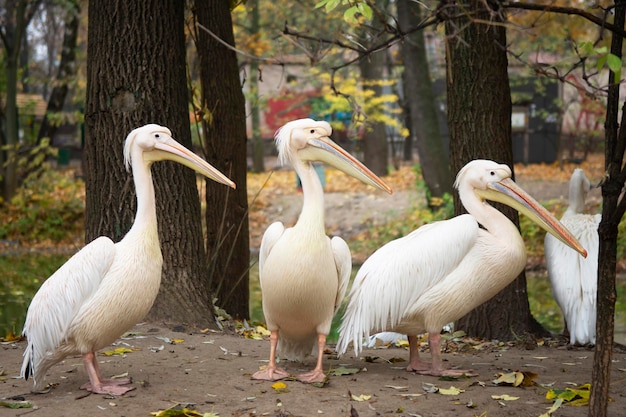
443	270
303	273
574	280
106	287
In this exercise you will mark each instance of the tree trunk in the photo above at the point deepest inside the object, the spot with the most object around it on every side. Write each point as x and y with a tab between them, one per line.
225	146
420	98
67	70
480	127
258	153
136	75
612	212
16	17
375	148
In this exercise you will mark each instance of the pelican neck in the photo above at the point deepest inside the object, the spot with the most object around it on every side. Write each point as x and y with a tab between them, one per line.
313	195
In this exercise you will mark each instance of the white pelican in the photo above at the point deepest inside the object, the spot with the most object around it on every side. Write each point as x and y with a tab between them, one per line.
572	278
303	273
106	288
443	270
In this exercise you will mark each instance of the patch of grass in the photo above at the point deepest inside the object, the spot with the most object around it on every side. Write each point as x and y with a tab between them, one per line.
22	275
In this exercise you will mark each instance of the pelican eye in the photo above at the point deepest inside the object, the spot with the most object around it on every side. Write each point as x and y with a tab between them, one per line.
156	135
312	131
492	173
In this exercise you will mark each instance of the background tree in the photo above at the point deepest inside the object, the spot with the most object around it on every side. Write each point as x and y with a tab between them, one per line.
375	145
480	127
224	131
65	72
258	153
420	102
16	16
136	75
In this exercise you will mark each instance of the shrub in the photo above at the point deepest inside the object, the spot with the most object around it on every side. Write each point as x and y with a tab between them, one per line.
49	206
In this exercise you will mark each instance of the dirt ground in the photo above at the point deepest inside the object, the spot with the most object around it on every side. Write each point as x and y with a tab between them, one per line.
210	372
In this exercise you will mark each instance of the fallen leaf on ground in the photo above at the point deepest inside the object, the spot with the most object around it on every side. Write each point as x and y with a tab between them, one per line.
396	387
16	405
118	351
343	371
362	397
504	397
516	379
574	396
280	387
170	341
554	407
450	391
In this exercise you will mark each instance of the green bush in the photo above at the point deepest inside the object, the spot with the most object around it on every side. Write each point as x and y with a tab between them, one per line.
49	206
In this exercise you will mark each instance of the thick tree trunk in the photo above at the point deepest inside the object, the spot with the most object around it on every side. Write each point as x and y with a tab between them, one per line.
612	211
420	98
225	146
375	147
67	70
479	121
136	75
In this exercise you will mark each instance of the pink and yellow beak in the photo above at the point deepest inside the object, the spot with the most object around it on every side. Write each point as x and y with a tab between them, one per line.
323	149
507	192
174	151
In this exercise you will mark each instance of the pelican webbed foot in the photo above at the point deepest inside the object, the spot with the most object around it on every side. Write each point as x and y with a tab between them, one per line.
270	374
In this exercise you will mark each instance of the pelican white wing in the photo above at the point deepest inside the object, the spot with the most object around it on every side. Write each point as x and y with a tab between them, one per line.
573	279
399	274
58	301
343	262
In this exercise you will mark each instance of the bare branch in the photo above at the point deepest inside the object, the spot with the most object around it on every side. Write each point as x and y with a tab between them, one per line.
269	61
600	21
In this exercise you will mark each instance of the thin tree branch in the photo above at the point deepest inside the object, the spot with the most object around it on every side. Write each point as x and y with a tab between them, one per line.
600	21
270	61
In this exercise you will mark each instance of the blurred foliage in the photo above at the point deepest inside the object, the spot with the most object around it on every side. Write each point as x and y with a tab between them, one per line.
22	275
49	207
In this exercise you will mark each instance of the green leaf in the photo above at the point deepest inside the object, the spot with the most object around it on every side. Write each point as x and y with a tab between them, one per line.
601	62
614	63
343	371
586	48
365	10
16	405
350	13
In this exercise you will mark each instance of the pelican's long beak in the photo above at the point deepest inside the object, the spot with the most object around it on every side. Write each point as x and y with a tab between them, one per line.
174	151
325	150
507	192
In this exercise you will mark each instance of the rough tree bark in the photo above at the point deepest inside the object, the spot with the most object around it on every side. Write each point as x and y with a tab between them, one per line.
479	121
136	75
224	130
612	211
420	100
375	148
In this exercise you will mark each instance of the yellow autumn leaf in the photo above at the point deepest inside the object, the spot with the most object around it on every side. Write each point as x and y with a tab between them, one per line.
177	341
118	351
262	331
361	397
279	386
450	391
504	397
554	407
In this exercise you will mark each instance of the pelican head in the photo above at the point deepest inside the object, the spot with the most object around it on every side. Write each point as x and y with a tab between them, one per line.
492	181
579	186
152	143
309	140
